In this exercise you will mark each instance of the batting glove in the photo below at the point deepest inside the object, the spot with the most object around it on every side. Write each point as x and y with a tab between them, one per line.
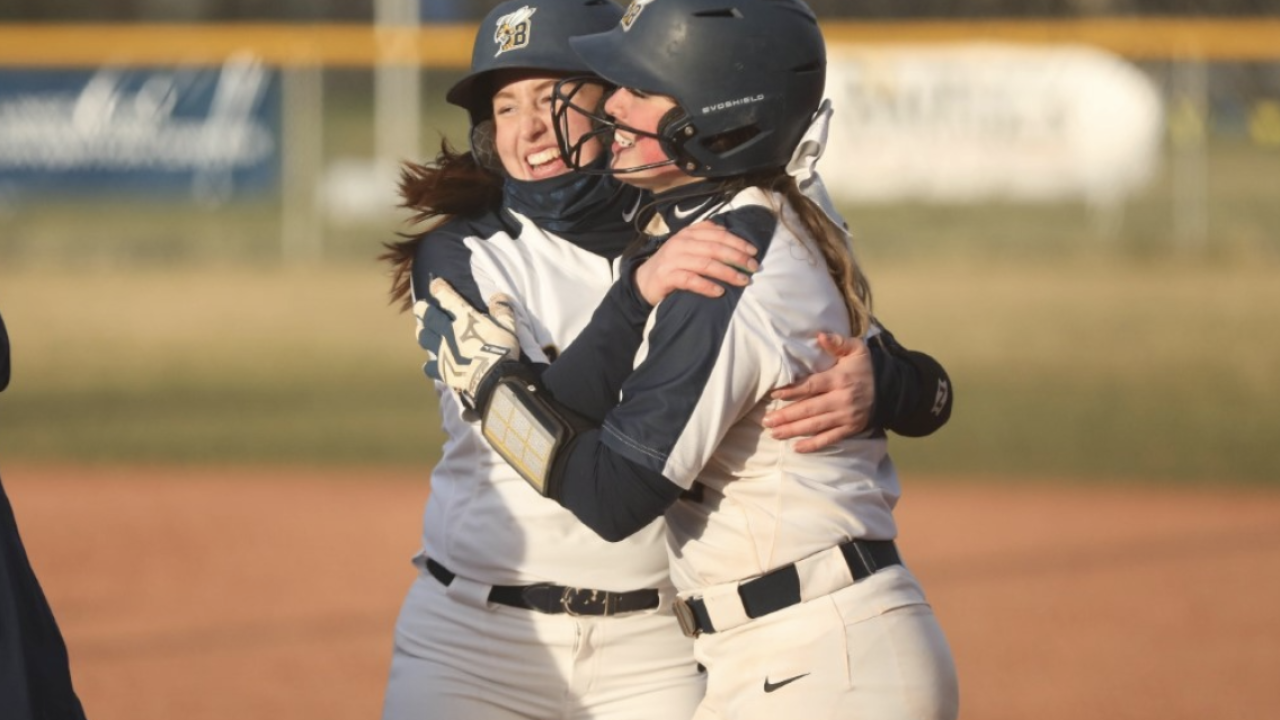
465	344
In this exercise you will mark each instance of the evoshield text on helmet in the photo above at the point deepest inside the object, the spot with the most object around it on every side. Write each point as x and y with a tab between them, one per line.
746	76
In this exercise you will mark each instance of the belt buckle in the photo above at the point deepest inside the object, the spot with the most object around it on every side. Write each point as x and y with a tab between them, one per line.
574	596
684	616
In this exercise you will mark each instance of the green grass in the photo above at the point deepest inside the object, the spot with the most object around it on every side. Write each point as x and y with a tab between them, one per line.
1081	344
1242	221
1080	368
1093	369
220	365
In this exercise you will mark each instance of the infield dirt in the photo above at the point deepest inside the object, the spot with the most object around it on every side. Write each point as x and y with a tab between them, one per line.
258	594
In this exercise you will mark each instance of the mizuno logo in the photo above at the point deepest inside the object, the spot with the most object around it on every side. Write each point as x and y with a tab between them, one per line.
770	687
470	333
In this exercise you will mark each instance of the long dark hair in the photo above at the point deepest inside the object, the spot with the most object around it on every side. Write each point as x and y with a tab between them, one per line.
452	185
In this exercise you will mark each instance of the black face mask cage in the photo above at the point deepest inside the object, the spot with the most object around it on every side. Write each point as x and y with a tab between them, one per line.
602	127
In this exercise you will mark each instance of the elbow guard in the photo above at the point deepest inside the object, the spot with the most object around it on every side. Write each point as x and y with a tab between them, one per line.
528	428
913	391
934	407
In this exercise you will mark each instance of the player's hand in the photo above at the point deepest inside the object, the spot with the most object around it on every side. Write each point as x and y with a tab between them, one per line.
466	344
831	405
692	259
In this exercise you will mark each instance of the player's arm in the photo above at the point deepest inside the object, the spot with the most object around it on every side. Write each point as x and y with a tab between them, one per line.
443	255
704	258
619	475
613	475
913	390
555	449
874	384
4	356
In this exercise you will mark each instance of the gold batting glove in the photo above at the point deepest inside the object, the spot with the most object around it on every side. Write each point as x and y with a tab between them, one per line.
474	343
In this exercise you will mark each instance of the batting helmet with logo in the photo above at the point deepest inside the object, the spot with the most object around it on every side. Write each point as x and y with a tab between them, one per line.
747	76
528	35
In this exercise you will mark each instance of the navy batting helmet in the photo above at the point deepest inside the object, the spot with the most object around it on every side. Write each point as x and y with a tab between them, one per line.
747	76
528	35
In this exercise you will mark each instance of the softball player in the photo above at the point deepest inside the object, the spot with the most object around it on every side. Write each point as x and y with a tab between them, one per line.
786	565
35	677
519	610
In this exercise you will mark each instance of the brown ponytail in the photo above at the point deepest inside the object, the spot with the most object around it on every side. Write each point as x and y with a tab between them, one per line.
832	241
454	184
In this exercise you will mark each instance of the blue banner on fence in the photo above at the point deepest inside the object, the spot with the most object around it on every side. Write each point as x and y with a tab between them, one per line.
213	132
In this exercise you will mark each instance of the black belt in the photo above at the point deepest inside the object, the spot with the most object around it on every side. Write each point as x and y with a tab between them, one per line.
780	588
555	599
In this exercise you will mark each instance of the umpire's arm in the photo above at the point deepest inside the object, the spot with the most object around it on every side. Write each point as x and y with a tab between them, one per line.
4	356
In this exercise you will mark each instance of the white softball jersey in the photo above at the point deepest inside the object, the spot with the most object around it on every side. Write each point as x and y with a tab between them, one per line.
457	654
692	410
482	521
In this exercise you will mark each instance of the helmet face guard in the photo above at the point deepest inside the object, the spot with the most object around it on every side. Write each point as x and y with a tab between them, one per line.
564	104
672	130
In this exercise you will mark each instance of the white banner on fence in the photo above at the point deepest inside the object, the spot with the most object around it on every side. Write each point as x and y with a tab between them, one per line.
976	122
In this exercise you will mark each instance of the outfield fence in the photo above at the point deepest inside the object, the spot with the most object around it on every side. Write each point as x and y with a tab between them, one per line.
344	104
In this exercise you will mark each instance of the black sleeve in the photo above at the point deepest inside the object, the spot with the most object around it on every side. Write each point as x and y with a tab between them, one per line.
913	391
610	494
4	356
607	492
588	375
443	253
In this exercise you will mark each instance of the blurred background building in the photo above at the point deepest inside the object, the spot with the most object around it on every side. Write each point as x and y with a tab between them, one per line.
1093	141
356	10
1073	204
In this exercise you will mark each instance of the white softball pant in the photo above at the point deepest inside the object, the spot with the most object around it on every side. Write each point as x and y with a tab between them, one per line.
457	659
872	651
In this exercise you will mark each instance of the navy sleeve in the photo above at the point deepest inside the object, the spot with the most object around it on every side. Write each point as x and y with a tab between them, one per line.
692	355
443	253
4	356
610	491
913	391
610	494
588	374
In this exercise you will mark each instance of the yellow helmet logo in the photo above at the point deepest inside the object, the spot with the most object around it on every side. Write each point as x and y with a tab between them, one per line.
633	11
512	32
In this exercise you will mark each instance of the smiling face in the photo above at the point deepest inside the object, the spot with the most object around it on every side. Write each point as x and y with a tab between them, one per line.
642	111
523	131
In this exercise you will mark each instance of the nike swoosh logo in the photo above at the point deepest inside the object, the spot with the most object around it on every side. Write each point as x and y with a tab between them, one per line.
682	214
770	687
631	215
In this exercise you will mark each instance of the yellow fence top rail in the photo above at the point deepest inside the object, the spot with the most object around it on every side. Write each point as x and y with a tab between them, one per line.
449	46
